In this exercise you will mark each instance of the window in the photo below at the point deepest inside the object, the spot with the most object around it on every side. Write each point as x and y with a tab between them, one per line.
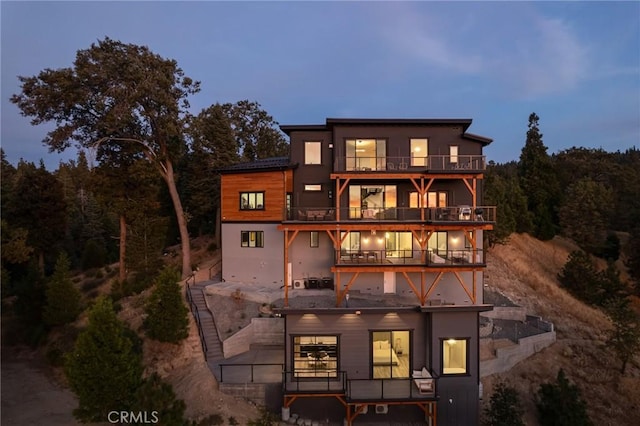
314	188
350	242
453	153
438	243
455	356
315	239
415	202
437	199
315	356
252	238
372	201
366	154
398	244
252	201
419	152
313	153
390	351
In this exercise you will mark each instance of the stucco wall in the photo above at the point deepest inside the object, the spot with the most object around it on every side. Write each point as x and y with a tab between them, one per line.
262	331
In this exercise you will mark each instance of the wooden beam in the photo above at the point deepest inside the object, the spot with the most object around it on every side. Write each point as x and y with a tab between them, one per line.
340	294
472	297
413	287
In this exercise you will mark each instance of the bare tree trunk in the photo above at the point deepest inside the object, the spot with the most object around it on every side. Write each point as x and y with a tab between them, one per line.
123	248
182	221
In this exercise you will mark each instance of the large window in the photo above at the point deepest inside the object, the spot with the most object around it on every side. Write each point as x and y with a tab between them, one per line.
252	238
350	242
252	201
437	199
366	154
455	356
390	354
372	201
419	149
438	243
315	356
398	244
312	153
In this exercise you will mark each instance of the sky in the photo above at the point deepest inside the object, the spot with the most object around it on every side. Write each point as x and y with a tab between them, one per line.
575	64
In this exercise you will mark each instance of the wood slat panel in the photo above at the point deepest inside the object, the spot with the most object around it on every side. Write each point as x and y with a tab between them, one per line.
274	184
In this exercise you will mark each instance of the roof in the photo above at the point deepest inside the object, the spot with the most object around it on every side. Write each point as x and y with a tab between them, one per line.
273	163
331	122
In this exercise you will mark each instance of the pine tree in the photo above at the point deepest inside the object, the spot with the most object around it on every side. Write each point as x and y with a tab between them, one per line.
63	298
580	278
167	316
104	369
158	400
505	408
539	182
625	336
561	404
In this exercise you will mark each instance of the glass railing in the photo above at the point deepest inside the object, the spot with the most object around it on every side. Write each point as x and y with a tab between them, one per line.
409	214
427	257
391	389
413	164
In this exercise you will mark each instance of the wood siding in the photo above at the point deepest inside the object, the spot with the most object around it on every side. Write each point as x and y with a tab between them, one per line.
274	184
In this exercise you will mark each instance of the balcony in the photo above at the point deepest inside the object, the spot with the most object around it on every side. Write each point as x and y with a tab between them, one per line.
431	163
436	215
435	258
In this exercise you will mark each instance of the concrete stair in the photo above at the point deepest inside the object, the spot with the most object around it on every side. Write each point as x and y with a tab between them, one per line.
206	323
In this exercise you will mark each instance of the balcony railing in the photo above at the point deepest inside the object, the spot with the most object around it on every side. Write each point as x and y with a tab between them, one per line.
300	381
435	163
410	257
387	389
409	214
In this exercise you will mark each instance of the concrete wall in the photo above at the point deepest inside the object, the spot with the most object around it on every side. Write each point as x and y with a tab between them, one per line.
262	331
507	357
516	313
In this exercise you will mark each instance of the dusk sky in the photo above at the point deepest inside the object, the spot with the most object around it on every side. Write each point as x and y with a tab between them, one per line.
576	64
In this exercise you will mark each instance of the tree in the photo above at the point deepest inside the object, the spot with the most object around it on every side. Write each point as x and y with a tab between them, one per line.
633	257
167	316
157	396
539	182
37	205
104	369
505	408
63	298
117	92
561	404
580	277
213	146
255	131
625	336
586	212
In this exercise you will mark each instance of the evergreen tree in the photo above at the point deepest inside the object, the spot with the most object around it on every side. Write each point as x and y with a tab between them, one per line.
30	302
63	298
104	369
586	212
167	316
539	182
505	408
580	278
633	257
561	404
157	396
625	336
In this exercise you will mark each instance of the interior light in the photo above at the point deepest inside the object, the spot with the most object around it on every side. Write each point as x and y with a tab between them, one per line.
380	240
451	341
417	149
358	312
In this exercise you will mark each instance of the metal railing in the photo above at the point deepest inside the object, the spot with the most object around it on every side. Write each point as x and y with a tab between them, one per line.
314	380
463	213
251	373
389	389
411	257
196	314
413	164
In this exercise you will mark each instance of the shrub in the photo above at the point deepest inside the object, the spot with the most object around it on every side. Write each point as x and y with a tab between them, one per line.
561	404
504	408
167	316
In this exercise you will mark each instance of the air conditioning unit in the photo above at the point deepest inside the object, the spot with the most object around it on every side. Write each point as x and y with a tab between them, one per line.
363	407
382	408
298	283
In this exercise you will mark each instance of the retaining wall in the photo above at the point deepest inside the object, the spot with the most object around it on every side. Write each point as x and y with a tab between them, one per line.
261	331
507	357
517	313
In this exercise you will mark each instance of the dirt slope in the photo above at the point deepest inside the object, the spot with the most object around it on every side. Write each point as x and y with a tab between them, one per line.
526	271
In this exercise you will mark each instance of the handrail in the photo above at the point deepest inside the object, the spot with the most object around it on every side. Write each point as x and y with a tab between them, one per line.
252	370
196	315
213	266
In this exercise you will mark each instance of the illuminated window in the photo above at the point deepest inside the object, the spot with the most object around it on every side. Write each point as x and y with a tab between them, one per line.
312	153
453	153
252	238
419	152
252	201
455	356
314	188
315	239
315	356
390	354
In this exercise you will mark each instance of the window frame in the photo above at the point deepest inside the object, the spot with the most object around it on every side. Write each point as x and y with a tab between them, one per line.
311	149
394	338
467	349
249	195
323	369
314	239
247	238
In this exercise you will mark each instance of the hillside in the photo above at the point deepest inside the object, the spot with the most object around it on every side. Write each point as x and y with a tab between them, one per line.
525	270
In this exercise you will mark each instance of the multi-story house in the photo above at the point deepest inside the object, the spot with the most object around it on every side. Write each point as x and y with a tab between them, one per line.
390	208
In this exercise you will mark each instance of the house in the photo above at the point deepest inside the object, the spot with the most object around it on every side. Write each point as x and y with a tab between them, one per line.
389	208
